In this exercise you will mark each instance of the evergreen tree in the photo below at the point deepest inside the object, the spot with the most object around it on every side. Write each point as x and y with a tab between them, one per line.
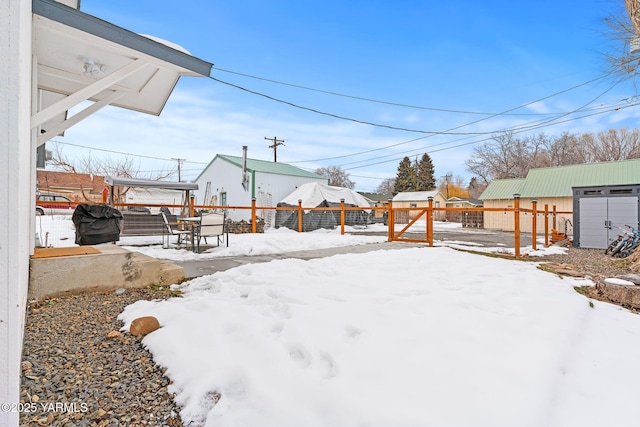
406	177
424	173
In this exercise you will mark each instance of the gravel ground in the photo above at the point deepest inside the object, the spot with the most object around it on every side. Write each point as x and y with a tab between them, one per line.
79	370
590	262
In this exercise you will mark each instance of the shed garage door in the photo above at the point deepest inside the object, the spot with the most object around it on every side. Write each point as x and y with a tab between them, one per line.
602	218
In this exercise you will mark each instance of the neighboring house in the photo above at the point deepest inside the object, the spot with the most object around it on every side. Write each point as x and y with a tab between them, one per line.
75	186
377	200
221	184
470	218
418	199
552	187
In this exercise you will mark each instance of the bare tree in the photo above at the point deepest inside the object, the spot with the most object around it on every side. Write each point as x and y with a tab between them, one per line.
504	156
567	149
623	31
387	186
337	176
613	145
125	167
474	188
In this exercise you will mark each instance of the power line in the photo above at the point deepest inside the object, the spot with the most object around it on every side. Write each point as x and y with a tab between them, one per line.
481	140
377	101
125	154
470	134
447	132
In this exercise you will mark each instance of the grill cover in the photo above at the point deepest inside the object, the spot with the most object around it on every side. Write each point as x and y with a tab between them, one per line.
96	224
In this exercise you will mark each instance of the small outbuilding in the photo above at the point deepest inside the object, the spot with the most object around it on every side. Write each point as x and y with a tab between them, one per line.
235	181
316	195
601	213
553	187
418	199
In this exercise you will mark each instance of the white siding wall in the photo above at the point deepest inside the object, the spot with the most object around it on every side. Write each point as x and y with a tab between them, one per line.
280	186
17	193
226	177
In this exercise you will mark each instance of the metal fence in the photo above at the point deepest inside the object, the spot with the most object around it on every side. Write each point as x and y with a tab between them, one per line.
138	219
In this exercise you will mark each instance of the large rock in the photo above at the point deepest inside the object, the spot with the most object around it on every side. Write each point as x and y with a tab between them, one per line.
625	295
143	326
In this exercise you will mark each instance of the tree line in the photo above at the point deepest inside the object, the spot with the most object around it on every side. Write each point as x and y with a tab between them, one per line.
509	156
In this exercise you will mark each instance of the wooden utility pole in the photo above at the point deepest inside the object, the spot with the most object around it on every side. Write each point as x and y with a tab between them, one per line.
276	142
179	164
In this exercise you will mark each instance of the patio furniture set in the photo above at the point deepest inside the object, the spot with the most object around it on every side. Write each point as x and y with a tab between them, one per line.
190	231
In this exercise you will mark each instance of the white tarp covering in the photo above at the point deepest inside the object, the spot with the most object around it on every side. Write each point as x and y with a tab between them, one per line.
313	194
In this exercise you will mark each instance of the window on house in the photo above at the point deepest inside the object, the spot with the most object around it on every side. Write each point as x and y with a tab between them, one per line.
223	198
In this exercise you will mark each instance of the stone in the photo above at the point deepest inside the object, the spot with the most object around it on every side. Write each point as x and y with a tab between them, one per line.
113	334
143	326
624	295
635	278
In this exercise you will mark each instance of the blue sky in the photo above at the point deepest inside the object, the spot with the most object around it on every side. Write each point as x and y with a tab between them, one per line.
449	65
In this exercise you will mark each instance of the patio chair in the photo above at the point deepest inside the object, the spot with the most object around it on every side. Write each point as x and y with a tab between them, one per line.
173	229
212	225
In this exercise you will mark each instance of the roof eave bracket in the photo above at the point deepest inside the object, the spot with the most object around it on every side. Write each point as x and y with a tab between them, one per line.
87	92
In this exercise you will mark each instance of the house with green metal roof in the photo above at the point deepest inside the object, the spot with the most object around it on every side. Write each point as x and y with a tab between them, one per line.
553	187
231	181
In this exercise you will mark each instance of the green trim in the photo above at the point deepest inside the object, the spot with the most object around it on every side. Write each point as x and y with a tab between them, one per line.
253	184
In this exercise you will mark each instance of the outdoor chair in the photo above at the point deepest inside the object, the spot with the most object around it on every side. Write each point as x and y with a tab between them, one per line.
173	229
212	225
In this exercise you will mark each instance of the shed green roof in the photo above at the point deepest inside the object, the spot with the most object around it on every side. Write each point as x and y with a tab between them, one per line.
267	167
502	189
558	181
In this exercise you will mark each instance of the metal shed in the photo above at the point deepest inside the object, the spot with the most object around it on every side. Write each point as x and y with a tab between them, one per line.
600	213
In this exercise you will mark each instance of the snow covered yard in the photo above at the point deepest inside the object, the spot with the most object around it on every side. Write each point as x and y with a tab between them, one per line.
411	337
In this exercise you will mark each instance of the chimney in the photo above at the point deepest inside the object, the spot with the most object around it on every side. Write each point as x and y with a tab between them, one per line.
245	178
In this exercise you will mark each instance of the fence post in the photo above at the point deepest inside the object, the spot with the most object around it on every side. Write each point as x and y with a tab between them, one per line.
299	215
191	205
534	224
390	220
430	221
341	216
546	225
516	223
254	228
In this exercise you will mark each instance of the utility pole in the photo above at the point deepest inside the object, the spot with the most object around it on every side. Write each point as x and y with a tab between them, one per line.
447	177
179	163
276	142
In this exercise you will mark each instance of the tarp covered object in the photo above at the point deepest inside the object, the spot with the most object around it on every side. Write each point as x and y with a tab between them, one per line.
96	224
318	195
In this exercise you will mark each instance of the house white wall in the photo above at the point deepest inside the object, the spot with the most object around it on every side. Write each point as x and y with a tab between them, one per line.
17	179
225	177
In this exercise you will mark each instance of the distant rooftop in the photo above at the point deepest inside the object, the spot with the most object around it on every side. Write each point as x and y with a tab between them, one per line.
267	167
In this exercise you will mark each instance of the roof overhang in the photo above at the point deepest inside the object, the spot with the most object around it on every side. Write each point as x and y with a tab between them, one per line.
148	183
85	58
